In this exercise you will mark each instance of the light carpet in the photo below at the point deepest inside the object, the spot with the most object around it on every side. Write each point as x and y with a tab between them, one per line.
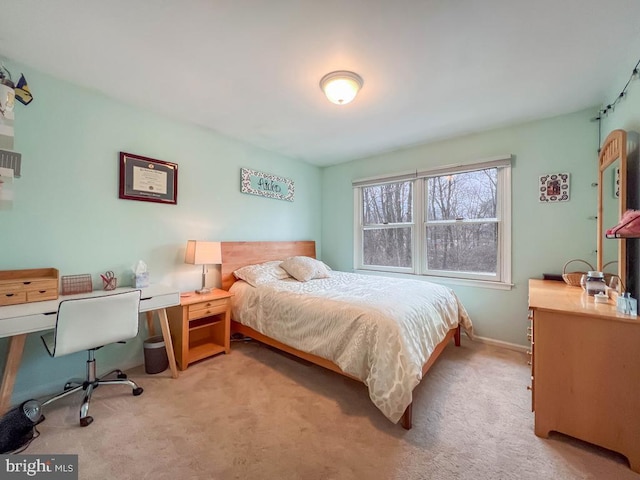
259	414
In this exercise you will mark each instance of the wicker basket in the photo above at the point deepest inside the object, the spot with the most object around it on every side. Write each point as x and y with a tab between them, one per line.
573	278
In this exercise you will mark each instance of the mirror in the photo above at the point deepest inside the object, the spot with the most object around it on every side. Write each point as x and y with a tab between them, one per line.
612	172
610	218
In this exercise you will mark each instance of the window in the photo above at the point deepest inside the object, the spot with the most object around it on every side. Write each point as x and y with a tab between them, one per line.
387	214
450	222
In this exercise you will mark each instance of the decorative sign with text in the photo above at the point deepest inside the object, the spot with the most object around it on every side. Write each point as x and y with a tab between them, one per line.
266	185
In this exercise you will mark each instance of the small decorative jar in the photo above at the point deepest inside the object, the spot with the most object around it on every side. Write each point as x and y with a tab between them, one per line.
595	283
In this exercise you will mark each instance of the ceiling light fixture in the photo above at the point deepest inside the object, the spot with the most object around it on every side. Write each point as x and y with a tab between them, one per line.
341	86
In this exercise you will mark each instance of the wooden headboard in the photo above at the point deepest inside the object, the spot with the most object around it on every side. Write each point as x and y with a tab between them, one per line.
241	254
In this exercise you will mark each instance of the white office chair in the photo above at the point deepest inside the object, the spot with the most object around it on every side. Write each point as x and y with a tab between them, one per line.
88	324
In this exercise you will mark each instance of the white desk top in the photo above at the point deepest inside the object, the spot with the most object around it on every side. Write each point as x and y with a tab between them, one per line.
38	316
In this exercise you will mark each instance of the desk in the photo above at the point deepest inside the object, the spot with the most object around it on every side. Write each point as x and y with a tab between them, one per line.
16	321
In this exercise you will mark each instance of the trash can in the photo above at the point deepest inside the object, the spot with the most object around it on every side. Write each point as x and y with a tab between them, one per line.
155	355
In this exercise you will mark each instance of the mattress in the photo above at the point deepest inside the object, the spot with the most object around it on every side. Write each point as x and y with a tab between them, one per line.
380	330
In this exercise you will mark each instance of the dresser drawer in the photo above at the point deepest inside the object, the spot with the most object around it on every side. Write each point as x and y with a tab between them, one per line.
204	309
531	357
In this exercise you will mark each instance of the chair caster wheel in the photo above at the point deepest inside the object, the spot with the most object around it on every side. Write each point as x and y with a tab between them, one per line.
122	376
137	391
86	421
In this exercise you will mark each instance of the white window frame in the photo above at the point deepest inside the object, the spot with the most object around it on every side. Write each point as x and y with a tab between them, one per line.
419	224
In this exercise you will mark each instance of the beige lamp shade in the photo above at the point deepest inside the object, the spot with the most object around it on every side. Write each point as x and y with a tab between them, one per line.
203	253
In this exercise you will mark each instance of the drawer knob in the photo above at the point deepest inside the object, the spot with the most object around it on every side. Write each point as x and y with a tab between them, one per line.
529	363
529	336
529	387
528	352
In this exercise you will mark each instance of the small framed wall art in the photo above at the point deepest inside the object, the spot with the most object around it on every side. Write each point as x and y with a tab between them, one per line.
553	188
147	179
266	185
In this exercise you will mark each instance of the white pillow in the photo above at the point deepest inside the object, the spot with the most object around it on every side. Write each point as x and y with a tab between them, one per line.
304	269
261	273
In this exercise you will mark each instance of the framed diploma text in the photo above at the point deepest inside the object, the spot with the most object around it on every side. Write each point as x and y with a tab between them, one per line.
148	180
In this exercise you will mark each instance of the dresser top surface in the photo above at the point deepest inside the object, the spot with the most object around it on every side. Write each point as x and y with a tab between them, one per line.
559	297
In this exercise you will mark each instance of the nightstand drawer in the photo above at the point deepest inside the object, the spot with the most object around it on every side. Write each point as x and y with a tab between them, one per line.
213	307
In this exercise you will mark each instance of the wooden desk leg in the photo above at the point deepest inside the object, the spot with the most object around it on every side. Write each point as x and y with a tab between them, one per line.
14	355
150	326
166	335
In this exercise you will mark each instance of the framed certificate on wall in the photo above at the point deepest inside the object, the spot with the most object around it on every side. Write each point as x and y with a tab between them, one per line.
147	179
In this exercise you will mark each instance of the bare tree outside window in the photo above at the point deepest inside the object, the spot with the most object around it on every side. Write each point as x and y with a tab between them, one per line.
387	239
443	222
461	227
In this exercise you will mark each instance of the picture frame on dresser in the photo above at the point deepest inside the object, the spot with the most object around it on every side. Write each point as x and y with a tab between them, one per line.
147	179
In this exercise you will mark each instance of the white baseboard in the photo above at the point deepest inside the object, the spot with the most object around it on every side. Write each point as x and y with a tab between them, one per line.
500	343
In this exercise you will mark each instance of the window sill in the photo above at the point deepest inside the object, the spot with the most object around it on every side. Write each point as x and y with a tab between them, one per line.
442	280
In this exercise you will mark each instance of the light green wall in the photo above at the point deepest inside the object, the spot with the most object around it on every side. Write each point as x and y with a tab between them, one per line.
67	214
544	236
627	113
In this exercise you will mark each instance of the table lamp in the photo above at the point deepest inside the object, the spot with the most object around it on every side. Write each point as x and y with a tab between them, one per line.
203	253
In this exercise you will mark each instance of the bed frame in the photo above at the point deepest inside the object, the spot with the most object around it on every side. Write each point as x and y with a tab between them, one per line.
240	254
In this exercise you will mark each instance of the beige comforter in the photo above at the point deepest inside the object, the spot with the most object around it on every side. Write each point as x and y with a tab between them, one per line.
380	330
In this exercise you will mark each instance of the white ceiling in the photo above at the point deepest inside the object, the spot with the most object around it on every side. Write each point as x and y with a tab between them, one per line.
250	69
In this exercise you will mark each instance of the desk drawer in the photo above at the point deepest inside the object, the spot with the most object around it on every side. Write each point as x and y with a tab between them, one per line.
41	295
204	309
41	285
25	286
14	298
11	288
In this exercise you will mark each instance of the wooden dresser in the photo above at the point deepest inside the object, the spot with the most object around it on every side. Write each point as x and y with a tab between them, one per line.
585	377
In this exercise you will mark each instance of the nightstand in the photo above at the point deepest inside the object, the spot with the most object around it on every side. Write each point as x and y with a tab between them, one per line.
200	326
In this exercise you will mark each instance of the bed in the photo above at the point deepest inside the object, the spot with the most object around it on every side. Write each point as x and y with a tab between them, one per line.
368	328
